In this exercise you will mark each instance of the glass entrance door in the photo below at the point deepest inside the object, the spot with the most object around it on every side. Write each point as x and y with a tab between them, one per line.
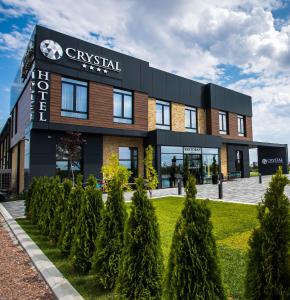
195	166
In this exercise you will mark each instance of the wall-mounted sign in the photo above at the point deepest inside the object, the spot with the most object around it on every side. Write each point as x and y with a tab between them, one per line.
276	160
40	96
192	150
89	61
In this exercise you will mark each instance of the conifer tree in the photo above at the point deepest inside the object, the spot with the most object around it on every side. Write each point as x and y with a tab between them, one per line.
62	200
110	240
29	197
87	227
268	272
35	202
193	272
141	266
70	216
150	172
45	196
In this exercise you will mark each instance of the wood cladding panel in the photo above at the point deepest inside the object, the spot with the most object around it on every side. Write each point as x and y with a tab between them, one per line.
100	103
213	126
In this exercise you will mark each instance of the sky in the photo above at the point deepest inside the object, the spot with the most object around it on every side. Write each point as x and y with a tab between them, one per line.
240	44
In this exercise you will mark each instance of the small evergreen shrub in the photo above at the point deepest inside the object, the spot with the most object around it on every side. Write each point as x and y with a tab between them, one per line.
87	227
268	272
62	200
29	197
45	200
193	271
110	240
141	266
150	172
70	217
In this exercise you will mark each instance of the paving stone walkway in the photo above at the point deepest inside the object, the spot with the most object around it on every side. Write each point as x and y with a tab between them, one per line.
246	190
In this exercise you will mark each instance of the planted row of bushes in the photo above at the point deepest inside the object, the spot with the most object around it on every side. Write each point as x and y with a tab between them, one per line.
124	254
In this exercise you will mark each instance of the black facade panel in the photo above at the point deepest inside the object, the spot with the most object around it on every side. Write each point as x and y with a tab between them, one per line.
42	153
231	149
270	158
93	155
169	138
228	100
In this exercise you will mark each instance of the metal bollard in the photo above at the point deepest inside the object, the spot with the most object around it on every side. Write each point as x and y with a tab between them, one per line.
179	187
220	187
260	178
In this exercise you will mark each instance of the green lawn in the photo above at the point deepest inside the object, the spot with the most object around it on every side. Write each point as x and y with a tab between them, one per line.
232	227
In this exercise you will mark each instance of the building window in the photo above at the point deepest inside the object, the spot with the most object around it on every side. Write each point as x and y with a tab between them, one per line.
123	106
190	119
241	126
223	122
162	115
68	165
128	157
74	101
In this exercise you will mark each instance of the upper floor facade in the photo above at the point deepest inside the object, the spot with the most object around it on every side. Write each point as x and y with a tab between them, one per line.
64	82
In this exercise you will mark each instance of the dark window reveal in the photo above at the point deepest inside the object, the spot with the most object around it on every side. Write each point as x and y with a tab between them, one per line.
74	100
162	115
65	167
223	122
190	119
123	106
241	126
128	157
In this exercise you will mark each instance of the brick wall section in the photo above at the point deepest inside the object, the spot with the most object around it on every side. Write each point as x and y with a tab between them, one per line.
177	117
111	145
224	160
151	114
201	121
23	117
213	126
100	107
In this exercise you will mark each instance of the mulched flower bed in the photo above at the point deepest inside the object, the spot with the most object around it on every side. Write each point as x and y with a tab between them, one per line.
19	279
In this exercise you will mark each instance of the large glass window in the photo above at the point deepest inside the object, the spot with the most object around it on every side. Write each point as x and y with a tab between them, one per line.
223	122
162	115
74	101
123	106
241	125
190	119
171	165
210	163
128	157
68	162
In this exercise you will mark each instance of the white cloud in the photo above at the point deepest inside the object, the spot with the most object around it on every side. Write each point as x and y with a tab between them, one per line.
188	37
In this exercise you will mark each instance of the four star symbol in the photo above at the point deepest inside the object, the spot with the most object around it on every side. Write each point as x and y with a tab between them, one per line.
98	69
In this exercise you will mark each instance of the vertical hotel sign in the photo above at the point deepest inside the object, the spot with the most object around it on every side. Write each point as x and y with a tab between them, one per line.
40	96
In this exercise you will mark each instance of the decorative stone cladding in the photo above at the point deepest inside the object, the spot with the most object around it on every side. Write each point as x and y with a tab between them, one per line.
111	145
177	117
224	160
151	114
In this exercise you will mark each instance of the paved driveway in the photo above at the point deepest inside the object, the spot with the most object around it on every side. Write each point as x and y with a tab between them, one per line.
246	190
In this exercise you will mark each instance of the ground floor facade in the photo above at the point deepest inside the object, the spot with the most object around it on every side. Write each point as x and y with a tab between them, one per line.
45	153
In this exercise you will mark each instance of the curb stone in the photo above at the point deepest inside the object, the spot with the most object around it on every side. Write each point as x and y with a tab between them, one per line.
60	286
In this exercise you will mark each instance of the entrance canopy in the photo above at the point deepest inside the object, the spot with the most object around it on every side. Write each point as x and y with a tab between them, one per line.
270	155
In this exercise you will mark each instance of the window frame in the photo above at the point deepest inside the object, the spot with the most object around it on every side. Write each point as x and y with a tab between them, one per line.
163	104
191	110
123	93
241	129
131	160
223	130
75	83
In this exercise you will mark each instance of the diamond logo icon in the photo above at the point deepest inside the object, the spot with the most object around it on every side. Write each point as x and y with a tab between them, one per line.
51	49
